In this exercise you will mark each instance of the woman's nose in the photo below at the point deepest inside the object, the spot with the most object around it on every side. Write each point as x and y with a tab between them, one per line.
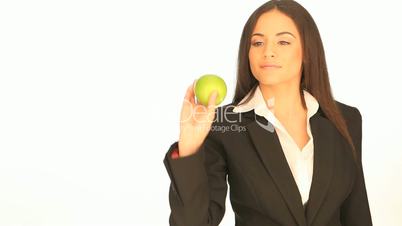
269	50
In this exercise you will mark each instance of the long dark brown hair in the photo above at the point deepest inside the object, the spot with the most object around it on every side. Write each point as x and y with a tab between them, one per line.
314	77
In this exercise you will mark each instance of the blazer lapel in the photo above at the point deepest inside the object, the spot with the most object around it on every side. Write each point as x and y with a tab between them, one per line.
324	155
269	149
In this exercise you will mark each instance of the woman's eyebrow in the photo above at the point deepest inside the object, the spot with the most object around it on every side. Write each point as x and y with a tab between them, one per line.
278	34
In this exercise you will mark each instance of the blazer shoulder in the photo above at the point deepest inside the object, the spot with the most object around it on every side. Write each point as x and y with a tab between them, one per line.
348	111
353	121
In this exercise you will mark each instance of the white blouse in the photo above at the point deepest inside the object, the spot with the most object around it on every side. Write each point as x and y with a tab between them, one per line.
300	161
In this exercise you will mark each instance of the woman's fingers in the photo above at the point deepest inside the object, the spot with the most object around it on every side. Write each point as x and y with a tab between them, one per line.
189	98
212	105
197	109
212	98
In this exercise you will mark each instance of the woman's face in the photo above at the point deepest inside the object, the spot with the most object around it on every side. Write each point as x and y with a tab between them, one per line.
275	41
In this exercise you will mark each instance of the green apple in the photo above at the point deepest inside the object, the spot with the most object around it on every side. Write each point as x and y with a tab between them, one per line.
206	84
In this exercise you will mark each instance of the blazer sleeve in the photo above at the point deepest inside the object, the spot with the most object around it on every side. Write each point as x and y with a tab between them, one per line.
355	209
198	187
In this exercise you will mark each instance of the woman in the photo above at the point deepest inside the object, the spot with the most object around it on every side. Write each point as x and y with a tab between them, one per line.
290	153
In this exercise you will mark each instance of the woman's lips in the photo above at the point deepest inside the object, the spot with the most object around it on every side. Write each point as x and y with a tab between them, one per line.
270	66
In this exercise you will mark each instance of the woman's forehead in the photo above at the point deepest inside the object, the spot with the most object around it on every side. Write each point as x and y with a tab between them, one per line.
274	22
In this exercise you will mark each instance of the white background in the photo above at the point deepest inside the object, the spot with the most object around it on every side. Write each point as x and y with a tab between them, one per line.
91	91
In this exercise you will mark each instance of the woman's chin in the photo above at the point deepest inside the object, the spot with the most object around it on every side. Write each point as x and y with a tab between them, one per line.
270	81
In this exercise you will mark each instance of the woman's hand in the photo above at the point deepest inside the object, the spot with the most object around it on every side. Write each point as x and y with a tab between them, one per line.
195	122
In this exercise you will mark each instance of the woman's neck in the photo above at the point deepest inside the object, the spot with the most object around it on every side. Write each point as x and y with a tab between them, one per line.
284	100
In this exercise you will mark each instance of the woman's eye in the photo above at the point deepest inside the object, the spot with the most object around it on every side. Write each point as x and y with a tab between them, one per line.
280	42
284	43
256	43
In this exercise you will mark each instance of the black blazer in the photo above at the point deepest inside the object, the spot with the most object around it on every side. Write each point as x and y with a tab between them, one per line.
238	151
